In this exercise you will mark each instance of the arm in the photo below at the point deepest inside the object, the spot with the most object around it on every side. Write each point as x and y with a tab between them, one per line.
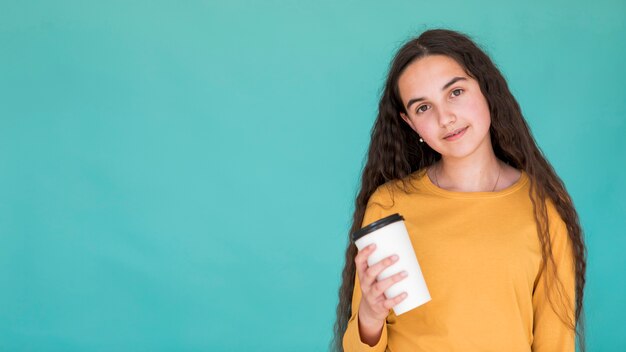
363	336
353	339
549	332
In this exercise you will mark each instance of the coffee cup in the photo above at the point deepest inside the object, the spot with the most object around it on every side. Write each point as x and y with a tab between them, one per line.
391	237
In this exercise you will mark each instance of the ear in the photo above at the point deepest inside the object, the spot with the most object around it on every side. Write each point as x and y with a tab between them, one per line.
408	121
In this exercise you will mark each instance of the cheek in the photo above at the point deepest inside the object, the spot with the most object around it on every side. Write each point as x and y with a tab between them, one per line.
428	130
480	111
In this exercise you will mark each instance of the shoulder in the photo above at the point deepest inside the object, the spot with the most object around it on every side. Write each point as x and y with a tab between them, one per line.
381	195
556	225
398	189
553	211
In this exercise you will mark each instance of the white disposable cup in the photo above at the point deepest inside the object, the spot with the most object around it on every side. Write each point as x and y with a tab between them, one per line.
391	237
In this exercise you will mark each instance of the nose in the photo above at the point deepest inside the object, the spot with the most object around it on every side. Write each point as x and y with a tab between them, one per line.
446	117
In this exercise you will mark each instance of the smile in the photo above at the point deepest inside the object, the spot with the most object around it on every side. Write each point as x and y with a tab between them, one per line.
459	134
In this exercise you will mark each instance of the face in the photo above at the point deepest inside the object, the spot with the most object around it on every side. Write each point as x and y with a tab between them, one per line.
440	97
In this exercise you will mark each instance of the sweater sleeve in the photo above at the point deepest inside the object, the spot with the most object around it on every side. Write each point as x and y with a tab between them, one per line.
549	332
352	338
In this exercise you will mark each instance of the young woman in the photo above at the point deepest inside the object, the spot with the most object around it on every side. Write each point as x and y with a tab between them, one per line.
495	231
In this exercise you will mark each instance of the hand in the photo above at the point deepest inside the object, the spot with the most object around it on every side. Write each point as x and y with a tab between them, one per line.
374	306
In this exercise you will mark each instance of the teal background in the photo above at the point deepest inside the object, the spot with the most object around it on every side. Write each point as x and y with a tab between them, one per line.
180	175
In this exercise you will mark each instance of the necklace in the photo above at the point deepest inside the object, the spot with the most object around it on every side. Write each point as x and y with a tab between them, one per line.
494	186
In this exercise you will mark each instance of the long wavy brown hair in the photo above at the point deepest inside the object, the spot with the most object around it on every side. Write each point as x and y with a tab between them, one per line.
395	153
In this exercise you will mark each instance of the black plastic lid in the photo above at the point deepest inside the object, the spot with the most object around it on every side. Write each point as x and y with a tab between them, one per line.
376	225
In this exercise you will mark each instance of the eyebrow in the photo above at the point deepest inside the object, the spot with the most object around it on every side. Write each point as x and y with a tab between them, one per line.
452	81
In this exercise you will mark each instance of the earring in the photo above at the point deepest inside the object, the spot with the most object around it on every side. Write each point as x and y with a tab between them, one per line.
421	140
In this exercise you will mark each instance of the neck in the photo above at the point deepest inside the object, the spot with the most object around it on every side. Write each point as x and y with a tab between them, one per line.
468	174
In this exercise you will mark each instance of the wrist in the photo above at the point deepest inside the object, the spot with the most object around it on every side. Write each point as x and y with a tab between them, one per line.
370	330
366	320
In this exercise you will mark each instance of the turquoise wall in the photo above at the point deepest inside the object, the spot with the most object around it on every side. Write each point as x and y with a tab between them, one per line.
180	175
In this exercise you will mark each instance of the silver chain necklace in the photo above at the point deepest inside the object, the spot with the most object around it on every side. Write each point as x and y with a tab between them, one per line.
494	186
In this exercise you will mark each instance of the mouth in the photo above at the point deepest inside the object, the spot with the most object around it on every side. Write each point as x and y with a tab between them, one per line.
456	133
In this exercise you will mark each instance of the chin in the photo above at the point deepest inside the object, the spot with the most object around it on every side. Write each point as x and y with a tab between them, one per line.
458	153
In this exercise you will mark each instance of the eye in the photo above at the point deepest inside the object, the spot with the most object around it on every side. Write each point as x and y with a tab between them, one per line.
419	109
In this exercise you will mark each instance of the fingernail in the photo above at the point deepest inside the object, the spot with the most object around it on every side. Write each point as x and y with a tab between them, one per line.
404	274
395	257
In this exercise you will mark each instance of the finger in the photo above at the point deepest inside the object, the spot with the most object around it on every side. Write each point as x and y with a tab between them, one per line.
390	303
373	271
381	286
361	260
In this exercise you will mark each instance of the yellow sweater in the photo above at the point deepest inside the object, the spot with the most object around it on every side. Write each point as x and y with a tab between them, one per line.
480	257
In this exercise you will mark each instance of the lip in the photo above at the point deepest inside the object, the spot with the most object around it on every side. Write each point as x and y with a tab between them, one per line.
448	138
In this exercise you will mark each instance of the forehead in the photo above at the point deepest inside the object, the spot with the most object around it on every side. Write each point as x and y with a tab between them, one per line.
429	74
